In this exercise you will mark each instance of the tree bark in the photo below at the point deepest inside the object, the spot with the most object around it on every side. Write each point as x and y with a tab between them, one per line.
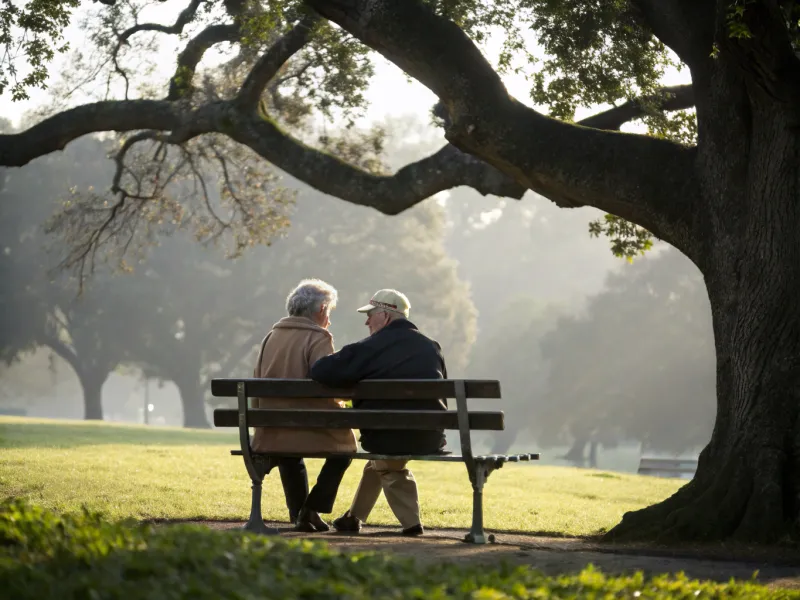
747	485
192	401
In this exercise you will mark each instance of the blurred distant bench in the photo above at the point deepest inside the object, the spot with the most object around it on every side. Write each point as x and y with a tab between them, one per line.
478	467
667	467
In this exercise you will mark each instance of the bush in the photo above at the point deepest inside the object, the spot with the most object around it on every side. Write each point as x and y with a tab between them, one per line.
44	555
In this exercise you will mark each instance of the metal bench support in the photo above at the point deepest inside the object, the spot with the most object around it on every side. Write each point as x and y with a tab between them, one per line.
255	468
478	470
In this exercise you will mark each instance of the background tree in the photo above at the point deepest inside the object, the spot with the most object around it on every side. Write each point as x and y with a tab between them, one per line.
39	307
637	365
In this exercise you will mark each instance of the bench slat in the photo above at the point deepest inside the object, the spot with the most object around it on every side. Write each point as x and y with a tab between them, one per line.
443	457
383	389
358	419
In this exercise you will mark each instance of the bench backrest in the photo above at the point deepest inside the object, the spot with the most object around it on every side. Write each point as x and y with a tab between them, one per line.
395	389
378	389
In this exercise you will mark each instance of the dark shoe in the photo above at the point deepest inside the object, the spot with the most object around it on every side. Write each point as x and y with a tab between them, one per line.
317	521
413	531
305	521
347	522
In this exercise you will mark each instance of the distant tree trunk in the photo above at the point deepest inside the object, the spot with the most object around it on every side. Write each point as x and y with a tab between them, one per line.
92	384
575	455
593	454
192	401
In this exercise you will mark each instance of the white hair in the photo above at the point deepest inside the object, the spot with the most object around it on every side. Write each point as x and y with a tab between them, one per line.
309	296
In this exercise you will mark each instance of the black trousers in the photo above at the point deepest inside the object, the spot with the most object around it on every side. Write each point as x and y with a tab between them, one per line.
294	478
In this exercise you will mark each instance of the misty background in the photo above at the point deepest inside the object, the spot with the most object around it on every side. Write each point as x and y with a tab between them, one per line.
599	360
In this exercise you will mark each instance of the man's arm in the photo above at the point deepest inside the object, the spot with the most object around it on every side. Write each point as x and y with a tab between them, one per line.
344	368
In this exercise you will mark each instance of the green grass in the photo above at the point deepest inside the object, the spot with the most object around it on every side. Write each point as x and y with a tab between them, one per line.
165	473
46	556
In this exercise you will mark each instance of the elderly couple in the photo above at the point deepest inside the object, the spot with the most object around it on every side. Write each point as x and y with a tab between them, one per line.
300	346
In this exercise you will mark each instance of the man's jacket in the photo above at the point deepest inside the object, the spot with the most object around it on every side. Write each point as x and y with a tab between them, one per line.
398	351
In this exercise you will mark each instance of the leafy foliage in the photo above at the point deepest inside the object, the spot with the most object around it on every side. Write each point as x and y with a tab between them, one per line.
628	240
30	37
44	555
596	53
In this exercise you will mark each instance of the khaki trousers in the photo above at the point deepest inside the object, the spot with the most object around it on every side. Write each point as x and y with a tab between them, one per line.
398	485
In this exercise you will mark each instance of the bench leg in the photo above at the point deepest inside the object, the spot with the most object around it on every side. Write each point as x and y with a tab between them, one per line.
479	472
255	523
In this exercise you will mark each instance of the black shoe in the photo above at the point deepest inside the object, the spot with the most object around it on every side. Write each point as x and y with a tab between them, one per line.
317	521
413	531
305	521
347	522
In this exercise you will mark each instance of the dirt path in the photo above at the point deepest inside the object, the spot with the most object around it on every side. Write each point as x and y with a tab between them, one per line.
556	556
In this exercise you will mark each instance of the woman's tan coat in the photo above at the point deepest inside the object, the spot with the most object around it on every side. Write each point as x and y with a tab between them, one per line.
293	345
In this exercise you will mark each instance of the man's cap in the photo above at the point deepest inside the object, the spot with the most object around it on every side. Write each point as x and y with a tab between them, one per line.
391	300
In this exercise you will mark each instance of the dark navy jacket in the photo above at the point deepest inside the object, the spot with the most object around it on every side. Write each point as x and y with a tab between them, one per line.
398	351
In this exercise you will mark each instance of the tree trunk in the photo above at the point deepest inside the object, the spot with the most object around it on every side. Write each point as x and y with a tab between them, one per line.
575	454
593	454
193	402
92	385
747	485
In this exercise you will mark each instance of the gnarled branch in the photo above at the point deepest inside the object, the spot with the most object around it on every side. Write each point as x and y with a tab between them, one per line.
390	194
193	53
686	26
184	18
56	132
645	180
676	97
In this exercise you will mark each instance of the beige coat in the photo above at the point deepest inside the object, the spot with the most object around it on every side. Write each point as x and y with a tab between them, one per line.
293	345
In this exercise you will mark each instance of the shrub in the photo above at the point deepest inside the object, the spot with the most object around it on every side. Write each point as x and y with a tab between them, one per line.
45	555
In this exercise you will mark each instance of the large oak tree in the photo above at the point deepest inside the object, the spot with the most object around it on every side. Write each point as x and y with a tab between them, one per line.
730	202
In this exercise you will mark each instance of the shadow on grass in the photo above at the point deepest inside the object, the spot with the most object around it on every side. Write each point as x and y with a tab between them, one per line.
19	433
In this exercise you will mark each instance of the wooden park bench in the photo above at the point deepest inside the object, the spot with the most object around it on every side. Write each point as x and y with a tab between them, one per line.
667	467
478	467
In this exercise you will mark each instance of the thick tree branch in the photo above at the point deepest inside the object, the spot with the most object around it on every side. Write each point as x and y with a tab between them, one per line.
193	53
645	180
390	194
669	98
64	351
56	132
685	26
266	67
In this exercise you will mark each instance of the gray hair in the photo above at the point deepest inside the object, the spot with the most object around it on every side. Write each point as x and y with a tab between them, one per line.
309	295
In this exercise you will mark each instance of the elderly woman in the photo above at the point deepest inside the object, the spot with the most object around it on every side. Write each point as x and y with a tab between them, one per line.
288	351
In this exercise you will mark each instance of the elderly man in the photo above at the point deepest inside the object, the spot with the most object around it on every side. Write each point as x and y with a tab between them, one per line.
395	349
288	351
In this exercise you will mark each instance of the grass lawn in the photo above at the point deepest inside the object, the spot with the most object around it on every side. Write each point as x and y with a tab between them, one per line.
167	473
